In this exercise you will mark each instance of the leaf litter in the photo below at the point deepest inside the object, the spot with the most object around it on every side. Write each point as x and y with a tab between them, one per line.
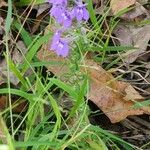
133	35
114	98
118	5
130	36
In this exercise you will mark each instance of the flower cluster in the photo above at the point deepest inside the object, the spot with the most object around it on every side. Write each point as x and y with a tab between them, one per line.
64	16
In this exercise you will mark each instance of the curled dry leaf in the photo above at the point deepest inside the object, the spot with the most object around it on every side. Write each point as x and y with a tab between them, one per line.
118	5
139	13
131	35
137	37
113	97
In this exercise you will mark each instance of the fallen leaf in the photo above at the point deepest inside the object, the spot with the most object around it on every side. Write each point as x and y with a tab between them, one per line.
131	94
131	35
113	97
17	58
137	37
139	13
118	5
2	3
3	73
143	1
21	107
43	10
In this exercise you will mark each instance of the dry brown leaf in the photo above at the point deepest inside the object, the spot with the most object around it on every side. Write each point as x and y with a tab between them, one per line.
136	36
17	56
133	36
3	73
113	97
131	94
17	59
42	12
118	5
19	108
139	13
2	3
143	1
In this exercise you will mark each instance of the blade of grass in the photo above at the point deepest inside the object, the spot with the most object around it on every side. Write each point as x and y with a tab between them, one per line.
92	14
141	104
72	139
125	144
33	50
112	48
24	34
6	132
28	2
17	73
17	92
7	29
80	98
65	87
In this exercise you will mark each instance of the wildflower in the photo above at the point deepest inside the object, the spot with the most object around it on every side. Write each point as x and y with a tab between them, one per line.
61	15
64	17
59	45
58	2
56	11
80	11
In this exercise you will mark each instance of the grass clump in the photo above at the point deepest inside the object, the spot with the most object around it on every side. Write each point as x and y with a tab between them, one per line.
56	113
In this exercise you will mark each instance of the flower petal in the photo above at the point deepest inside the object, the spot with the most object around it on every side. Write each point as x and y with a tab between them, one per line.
62	48
85	14
79	14
67	23
65	50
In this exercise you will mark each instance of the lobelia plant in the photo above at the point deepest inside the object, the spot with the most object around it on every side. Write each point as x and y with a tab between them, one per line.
65	15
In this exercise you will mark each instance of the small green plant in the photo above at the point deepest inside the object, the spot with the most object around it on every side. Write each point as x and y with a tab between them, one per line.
44	124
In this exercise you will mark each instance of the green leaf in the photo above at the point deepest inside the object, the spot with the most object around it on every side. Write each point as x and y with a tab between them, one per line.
17	73
9	17
65	87
24	34
29	2
20	93
33	50
92	14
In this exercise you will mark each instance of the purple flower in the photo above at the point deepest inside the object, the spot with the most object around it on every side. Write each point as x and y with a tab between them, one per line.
64	17
58	2
59	45
61	15
80	11
56	11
